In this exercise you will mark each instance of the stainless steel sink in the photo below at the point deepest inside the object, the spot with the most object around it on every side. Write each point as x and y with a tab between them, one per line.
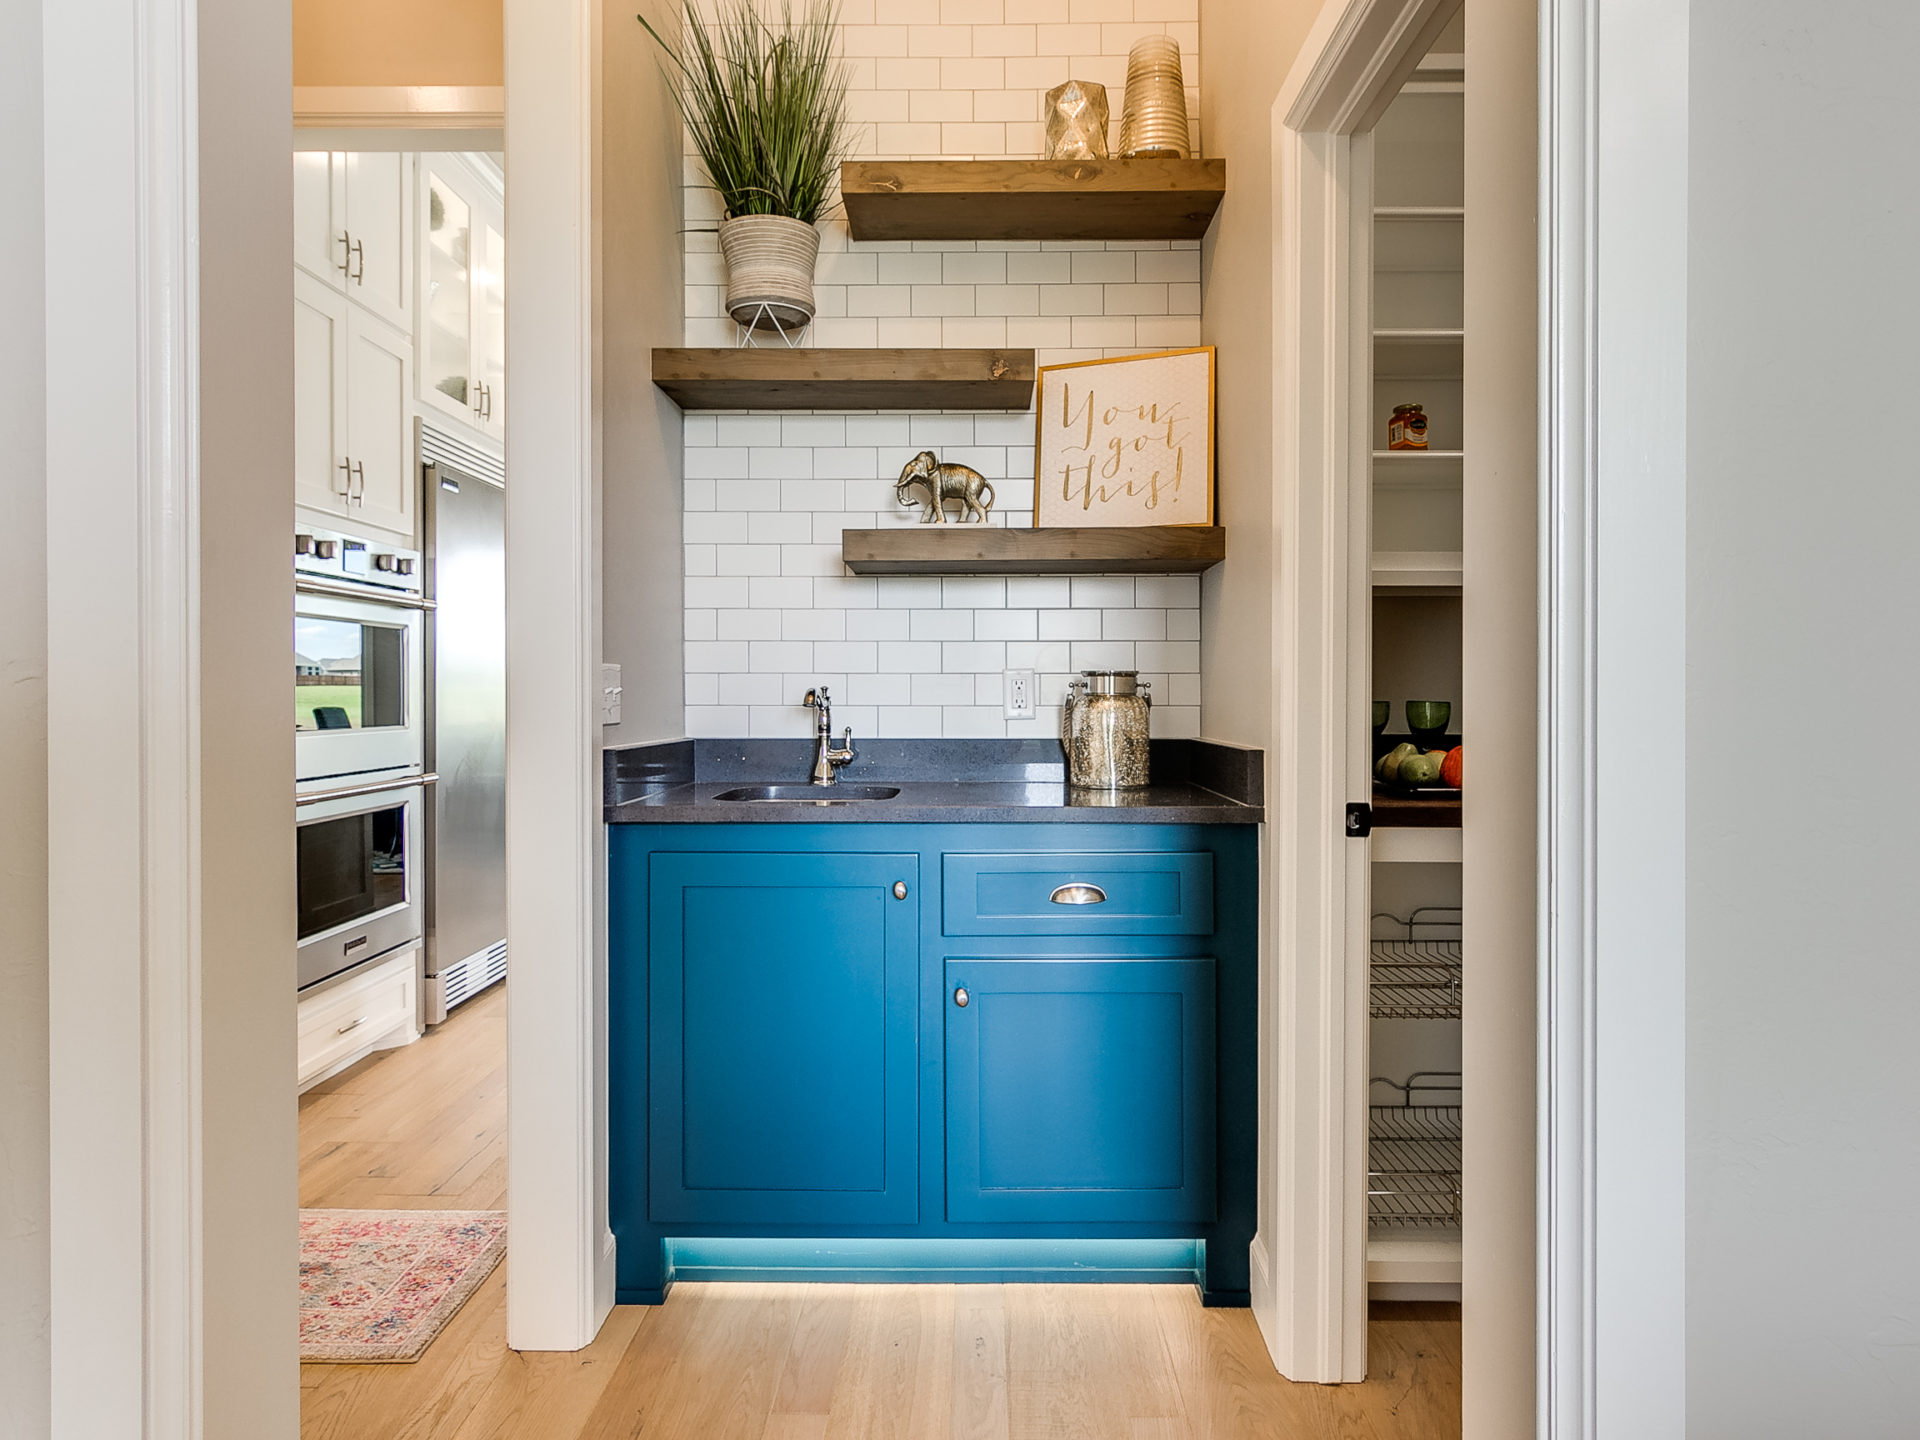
809	794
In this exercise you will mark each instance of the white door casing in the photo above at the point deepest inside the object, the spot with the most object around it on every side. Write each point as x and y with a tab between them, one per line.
1310	1272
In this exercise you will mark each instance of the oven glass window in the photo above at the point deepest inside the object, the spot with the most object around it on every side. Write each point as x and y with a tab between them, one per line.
346	675
351	867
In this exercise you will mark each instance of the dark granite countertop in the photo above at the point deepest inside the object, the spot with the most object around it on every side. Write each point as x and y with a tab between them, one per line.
941	782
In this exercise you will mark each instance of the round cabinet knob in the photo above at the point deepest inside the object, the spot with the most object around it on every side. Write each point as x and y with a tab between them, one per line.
960	996
900	892
383	562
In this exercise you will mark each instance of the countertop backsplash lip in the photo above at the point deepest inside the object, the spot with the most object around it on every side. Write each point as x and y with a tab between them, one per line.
942	781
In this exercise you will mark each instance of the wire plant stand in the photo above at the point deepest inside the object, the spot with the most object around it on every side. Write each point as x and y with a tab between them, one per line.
1413	1154
1415	973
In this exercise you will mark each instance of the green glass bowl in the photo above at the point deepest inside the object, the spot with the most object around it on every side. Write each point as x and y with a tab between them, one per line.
1428	719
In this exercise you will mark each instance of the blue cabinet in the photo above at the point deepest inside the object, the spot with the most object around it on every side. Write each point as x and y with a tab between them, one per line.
783	995
789	1070
1080	1089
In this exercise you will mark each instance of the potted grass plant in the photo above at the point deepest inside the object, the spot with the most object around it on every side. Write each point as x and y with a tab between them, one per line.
765	101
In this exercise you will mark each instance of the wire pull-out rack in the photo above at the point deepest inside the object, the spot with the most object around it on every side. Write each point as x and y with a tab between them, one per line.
1413	1153
1415	974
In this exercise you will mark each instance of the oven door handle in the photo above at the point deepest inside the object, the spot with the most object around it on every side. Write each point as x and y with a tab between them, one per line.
378	787
399	599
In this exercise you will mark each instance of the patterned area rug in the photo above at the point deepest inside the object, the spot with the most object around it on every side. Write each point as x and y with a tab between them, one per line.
378	1285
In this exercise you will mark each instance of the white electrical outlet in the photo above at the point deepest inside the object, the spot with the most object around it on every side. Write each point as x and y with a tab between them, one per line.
610	691
1018	691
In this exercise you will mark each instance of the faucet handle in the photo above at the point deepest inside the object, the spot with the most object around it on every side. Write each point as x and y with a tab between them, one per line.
817	698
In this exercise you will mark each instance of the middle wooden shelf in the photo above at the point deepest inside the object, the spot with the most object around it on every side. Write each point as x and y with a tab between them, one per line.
804	379
955	549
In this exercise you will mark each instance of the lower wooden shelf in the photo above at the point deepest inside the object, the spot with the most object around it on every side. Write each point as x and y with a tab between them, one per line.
1416	810
955	549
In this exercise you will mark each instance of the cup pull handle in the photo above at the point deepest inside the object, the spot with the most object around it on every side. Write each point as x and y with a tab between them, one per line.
1079	893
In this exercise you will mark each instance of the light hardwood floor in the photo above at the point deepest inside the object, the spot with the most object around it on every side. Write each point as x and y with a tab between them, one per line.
424	1127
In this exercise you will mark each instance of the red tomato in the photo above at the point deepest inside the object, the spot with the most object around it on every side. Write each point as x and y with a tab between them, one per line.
1450	767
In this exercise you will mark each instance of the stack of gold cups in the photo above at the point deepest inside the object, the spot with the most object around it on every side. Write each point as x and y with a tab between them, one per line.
1154	120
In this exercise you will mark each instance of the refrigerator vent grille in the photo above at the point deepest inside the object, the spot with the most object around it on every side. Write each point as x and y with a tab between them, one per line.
439	447
467	978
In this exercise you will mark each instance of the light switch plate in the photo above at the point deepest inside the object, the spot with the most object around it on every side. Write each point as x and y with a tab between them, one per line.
610	691
1018	691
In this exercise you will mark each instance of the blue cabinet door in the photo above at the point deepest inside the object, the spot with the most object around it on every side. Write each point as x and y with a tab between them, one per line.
1080	1090
782	1052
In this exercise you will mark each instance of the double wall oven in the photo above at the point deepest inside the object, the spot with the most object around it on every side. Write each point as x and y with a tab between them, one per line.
359	746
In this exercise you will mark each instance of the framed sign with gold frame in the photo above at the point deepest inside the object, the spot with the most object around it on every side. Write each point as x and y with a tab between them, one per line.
1127	441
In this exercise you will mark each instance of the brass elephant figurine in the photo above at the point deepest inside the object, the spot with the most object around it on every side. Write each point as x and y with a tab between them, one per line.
943	483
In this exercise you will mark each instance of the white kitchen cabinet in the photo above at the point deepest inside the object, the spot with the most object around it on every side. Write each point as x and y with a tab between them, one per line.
353	383
341	1023
462	293
353	227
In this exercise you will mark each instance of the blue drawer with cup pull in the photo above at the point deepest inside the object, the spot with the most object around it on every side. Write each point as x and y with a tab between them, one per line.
1072	894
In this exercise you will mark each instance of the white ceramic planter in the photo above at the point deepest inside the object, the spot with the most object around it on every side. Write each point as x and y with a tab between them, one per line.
770	261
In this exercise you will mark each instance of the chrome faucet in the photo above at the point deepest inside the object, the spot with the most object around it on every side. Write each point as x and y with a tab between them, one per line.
826	760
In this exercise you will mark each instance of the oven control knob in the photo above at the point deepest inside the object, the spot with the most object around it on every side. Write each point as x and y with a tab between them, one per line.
383	562
405	563
303	544
326	549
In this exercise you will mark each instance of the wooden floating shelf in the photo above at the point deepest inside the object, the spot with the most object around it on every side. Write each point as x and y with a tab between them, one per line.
955	549
783	379
1031	199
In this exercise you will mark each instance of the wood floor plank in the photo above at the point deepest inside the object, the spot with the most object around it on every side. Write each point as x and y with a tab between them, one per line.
818	1352
424	1127
536	1394
980	1364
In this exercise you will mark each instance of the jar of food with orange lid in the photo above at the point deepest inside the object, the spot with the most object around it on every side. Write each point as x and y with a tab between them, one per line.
1407	430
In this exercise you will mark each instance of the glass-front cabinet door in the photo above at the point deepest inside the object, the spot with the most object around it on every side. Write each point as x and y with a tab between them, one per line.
446	331
490	328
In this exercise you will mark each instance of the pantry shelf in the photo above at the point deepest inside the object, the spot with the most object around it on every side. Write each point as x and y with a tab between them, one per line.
783	379
1417	571
1419	354
1031	199
956	549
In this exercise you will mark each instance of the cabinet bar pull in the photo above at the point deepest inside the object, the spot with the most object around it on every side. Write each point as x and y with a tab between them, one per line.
346	249
359	276
1079	893
355	1025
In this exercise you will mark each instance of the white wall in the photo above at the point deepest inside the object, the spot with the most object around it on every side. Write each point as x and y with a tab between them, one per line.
24	1390
638	270
769	606
1803	989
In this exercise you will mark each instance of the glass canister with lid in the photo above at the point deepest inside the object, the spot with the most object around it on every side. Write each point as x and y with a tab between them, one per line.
1104	730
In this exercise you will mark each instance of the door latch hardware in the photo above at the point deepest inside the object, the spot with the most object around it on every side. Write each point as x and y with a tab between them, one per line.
1359	821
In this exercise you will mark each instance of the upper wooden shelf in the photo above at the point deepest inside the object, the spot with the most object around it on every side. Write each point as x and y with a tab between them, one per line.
1031	199
955	549
783	379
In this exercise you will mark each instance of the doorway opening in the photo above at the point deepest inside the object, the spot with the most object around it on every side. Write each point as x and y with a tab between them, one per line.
398	541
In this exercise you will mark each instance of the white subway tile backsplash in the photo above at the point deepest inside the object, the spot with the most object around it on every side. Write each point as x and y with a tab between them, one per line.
770	607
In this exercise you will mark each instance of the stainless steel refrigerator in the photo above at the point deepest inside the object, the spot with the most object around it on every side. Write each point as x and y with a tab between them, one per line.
466	912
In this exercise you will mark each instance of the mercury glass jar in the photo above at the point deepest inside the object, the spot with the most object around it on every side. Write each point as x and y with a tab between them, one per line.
1103	727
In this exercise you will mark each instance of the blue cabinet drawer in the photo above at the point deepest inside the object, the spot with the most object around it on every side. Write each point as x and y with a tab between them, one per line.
783	1055
1078	894
1080	1090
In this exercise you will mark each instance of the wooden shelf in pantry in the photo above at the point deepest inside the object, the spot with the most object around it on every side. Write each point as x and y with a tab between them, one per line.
1419	846
1420	464
1415	811
783	379
955	549
1417	571
1031	199
1419	354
